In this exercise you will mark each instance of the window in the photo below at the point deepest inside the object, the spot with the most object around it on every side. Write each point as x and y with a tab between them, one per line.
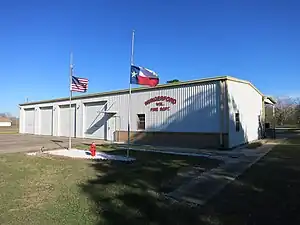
141	122
237	121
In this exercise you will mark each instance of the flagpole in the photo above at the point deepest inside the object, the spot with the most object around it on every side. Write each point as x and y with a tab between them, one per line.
129	97
70	106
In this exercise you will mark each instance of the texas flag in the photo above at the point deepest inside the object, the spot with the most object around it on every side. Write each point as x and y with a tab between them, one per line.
143	76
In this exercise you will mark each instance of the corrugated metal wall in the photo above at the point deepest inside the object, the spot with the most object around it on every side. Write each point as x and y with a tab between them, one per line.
245	100
192	108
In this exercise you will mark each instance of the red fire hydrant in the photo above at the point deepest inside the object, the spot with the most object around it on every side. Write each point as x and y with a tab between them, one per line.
93	149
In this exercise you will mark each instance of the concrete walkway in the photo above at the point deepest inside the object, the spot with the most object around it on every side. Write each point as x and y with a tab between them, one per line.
203	187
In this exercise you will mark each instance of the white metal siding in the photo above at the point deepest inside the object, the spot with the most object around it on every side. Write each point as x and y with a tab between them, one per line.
67	120
95	121
46	120
21	120
5	124
29	121
196	110
247	101
56	111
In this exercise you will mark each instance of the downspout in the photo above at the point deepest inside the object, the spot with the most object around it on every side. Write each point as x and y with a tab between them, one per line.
263	118
21	120
221	110
226	111
274	121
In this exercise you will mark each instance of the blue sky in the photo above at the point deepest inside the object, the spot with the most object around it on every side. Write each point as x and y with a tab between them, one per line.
257	40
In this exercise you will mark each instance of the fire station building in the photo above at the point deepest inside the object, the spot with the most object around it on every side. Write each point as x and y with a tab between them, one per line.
218	112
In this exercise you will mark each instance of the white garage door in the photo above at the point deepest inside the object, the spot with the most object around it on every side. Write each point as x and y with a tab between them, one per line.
65	122
95	122
29	121
46	120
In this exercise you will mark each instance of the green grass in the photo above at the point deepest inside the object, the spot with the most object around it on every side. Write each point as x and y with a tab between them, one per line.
43	191
268	193
50	190
104	147
110	147
254	145
61	191
9	130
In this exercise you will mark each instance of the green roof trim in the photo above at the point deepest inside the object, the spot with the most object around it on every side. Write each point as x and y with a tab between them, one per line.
140	89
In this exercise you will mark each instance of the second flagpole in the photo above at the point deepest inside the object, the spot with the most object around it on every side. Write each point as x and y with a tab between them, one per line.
70	106
129	96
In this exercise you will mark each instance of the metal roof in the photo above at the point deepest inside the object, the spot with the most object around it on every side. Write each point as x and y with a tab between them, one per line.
140	89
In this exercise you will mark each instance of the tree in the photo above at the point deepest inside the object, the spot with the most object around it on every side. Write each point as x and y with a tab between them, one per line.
6	114
172	81
286	109
297	114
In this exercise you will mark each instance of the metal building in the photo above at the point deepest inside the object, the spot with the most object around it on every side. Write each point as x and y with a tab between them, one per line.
220	112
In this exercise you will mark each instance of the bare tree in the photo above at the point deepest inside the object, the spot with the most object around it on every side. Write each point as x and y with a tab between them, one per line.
285	109
6	114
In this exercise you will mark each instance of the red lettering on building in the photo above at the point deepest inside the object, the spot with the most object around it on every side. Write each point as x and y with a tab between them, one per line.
154	109
164	109
161	99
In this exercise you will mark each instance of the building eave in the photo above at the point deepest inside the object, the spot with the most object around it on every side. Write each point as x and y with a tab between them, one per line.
269	100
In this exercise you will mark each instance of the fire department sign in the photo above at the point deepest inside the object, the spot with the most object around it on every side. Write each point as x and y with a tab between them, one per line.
160	103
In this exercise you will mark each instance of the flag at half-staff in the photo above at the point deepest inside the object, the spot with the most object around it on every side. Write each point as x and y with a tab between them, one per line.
143	76
79	84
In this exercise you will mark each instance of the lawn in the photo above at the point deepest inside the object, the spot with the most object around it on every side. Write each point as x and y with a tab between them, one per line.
50	190
268	193
63	191
14	129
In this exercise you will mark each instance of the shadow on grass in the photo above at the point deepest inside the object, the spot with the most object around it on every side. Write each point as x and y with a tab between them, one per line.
254	145
129	192
268	193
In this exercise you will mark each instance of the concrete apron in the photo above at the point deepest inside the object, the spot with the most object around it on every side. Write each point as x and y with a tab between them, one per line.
202	188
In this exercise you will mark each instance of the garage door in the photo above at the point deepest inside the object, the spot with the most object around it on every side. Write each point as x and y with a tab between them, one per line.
65	122
46	120
29	121
95	123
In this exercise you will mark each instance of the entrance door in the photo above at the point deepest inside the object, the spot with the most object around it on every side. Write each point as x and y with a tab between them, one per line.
111	128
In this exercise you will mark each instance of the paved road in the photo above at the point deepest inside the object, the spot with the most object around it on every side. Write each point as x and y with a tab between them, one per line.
10	143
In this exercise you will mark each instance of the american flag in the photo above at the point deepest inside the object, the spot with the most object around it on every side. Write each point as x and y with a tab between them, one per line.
79	84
